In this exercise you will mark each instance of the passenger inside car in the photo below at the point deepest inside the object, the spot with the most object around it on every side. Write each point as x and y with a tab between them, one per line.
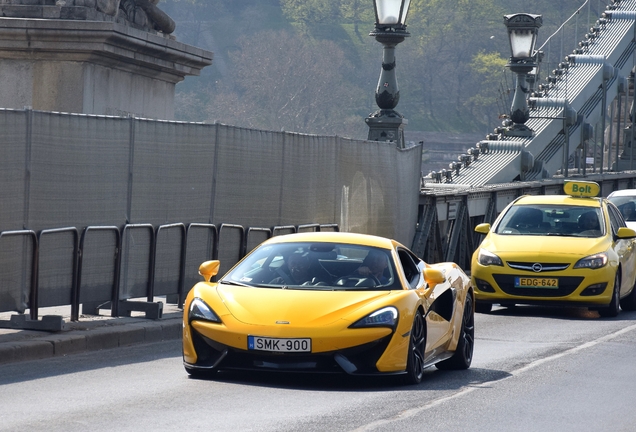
588	224
294	272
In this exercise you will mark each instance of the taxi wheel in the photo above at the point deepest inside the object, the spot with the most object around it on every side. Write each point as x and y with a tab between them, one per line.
613	308
463	356
417	345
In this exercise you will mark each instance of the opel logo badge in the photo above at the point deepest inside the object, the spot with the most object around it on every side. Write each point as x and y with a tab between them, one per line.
536	267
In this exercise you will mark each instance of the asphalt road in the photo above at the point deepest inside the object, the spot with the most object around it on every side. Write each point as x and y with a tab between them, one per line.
534	369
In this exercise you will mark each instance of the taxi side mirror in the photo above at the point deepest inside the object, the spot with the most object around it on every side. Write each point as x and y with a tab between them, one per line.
209	269
433	277
625	233
483	228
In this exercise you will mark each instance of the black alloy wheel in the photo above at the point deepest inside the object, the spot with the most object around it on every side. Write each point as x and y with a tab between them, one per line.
417	345
463	356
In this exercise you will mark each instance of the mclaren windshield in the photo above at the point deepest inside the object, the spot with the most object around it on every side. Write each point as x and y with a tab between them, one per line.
321	266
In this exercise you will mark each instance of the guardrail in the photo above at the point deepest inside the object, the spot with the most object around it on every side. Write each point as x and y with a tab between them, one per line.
110	293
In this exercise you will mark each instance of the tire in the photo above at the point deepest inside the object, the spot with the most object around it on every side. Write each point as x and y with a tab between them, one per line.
417	347
629	303
483	307
463	356
613	308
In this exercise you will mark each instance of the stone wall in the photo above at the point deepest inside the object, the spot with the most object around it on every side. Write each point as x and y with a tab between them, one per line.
141	14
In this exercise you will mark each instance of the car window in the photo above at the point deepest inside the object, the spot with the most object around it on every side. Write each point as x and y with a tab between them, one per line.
616	219
411	269
626	205
552	219
319	266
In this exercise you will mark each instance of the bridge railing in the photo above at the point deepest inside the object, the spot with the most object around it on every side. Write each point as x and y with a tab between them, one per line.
123	269
447	216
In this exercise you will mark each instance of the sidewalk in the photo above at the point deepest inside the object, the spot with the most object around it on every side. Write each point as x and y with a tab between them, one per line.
90	333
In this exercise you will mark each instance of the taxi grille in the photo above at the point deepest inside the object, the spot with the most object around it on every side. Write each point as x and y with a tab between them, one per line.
567	285
529	266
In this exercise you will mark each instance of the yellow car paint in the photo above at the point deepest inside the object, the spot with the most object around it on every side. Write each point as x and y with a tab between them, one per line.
284	313
551	246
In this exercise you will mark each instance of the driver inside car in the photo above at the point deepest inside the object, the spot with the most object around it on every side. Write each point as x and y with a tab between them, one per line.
373	265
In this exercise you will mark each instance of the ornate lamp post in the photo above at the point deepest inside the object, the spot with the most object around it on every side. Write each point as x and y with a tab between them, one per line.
522	32
386	124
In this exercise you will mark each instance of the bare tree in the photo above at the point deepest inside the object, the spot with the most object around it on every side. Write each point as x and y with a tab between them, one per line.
286	82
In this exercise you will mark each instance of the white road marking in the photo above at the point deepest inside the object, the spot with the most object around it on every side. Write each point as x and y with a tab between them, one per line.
414	411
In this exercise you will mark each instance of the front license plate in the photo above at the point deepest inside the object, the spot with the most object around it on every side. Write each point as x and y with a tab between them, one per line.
526	282
278	345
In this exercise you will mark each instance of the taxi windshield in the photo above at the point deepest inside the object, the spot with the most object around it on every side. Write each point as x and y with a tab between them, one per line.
316	266
552	220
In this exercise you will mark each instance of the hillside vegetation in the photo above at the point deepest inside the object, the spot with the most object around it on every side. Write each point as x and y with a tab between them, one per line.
309	65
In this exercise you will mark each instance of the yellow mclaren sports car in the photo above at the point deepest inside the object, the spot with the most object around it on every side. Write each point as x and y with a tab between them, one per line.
330	302
571	250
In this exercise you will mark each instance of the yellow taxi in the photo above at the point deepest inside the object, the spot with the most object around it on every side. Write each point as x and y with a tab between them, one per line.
571	250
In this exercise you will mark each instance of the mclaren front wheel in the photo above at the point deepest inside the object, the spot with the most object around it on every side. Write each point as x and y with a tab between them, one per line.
417	346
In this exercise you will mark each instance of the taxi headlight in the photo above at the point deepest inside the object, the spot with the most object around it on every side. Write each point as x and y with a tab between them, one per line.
487	258
199	310
592	262
385	317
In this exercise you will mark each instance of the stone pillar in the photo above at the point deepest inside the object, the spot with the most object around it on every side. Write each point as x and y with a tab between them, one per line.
92	67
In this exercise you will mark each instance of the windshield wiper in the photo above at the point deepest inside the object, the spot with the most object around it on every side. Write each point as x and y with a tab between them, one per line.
230	282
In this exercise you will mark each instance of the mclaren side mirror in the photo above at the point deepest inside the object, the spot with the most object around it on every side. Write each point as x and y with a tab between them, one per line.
209	269
433	277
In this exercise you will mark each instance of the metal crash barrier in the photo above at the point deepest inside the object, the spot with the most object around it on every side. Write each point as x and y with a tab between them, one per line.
116	268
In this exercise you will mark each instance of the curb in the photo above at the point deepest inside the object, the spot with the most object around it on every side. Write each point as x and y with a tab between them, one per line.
79	339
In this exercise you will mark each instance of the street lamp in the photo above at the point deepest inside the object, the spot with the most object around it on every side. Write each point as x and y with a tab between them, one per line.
386	124
522	32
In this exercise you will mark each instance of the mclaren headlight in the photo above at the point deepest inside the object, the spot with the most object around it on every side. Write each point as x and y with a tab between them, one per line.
487	258
385	317
202	312
592	262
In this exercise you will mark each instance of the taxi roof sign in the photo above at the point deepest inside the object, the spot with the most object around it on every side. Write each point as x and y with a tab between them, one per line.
581	188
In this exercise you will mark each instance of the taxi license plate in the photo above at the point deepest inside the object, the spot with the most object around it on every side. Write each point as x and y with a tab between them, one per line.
278	345
527	282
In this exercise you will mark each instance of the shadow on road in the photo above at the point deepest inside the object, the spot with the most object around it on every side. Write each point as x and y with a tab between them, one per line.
433	380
